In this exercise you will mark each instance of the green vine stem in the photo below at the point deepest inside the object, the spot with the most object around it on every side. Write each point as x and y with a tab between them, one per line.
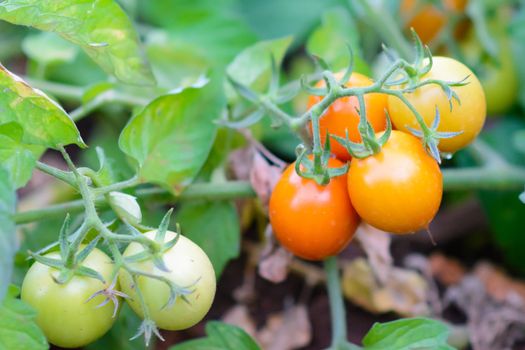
508	178
337	307
198	191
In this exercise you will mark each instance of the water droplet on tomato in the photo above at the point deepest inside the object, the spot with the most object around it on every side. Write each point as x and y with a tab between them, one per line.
447	155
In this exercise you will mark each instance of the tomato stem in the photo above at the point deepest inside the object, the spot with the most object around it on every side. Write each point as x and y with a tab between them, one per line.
337	307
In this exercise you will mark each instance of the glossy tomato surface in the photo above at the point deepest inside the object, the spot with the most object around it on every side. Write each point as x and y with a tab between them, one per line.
310	220
63	312
189	267
342	114
467	117
399	189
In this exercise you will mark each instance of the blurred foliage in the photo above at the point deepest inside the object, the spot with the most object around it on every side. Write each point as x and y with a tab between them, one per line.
186	40
505	211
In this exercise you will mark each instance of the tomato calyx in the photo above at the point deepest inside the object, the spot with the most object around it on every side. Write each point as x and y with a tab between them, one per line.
70	262
317	168
371	143
148	328
157	247
430	136
111	294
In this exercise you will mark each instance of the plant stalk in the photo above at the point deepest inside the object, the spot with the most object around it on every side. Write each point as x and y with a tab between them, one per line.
337	307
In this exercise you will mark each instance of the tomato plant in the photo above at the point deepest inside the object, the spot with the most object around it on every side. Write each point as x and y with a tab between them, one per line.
186	107
186	265
66	312
342	116
465	115
310	220
398	189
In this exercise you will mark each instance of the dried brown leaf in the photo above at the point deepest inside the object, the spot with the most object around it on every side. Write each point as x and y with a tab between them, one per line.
498	284
286	330
263	177
240	162
239	316
376	244
403	292
446	270
275	267
492	324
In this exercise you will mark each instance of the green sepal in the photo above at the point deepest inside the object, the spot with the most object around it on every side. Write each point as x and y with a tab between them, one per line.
305	85
243	90
80	257
350	67
62	238
160	235
88	272
56	263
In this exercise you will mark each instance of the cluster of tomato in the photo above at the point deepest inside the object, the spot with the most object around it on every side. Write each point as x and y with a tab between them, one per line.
398	189
83	309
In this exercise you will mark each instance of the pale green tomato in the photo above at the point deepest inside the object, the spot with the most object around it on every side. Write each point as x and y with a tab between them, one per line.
189	267
62	311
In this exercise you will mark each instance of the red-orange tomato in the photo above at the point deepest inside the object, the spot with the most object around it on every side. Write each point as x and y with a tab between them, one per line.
429	20
342	114
399	189
310	220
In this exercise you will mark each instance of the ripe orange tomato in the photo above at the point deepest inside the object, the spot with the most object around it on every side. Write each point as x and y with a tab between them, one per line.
399	189
429	20
467	116
342	114
310	220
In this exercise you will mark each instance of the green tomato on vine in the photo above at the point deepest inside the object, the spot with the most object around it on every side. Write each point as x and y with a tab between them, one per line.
189	267
66	313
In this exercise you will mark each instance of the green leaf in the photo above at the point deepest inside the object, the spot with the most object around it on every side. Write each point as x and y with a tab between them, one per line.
517	36
252	67
43	121
196	36
276	18
47	48
100	27
15	157
220	336
331	39
214	226
8	241
18	330
171	137
408	334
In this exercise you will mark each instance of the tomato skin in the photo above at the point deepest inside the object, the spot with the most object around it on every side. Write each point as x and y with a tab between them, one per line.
189	267
310	220
63	314
429	20
342	114
467	117
399	189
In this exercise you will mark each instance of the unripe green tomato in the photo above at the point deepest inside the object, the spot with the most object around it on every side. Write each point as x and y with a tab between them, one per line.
189	267
63	314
